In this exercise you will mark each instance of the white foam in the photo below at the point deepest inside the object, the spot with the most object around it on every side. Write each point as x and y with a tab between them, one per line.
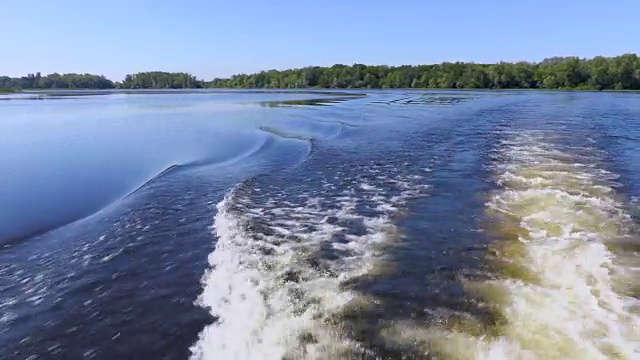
112	255
568	214
6	318
274	295
262	315
368	187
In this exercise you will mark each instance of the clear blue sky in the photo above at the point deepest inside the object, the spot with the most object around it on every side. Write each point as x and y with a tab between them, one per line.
222	37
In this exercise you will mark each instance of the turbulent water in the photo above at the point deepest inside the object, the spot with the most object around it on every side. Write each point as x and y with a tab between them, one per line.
318	225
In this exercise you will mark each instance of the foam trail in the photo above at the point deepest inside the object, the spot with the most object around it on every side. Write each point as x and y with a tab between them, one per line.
562	291
248	288
279	273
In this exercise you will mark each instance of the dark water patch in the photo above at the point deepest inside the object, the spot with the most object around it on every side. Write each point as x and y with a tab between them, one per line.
441	244
119	282
307	102
428	99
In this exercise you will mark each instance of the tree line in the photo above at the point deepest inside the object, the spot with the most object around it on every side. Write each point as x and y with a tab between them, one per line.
144	80
599	73
160	80
57	81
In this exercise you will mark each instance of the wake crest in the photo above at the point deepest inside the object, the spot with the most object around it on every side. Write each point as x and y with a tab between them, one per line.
565	288
279	277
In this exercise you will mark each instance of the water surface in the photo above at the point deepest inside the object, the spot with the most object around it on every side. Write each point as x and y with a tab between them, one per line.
286	225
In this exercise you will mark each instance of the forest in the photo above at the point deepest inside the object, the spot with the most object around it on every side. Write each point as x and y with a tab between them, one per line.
599	73
145	80
57	81
160	80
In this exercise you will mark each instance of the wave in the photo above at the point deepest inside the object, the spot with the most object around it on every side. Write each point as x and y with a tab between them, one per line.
311	131
259	147
563	291
324	101
280	274
284	134
433	99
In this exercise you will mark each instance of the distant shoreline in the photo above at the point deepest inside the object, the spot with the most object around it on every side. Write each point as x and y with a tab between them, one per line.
326	91
620	73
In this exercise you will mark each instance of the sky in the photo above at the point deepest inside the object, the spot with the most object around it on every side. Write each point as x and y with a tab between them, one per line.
216	38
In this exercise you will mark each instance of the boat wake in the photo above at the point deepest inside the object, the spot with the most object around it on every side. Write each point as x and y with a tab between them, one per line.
280	275
565	290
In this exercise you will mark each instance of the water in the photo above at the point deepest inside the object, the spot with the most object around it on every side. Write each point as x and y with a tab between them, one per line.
317	225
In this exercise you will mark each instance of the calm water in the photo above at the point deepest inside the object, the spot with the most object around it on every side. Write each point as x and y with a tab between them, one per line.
378	225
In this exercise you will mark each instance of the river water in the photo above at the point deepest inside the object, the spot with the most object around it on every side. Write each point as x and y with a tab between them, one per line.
320	225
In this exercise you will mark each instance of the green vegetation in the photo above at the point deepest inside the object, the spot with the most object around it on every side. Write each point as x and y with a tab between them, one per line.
57	81
599	73
145	80
7	91
160	80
